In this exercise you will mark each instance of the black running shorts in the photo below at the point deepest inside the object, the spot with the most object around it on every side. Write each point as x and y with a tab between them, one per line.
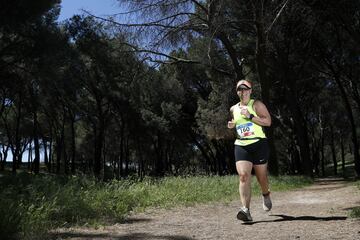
257	153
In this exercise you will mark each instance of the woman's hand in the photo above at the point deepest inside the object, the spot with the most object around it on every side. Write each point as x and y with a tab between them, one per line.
231	124
245	112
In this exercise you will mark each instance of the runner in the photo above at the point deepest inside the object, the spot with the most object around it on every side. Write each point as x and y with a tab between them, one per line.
249	116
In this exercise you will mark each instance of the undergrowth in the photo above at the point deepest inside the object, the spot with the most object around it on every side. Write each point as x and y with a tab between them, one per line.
32	205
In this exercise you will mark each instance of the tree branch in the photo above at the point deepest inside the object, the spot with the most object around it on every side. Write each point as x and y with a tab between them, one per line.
277	17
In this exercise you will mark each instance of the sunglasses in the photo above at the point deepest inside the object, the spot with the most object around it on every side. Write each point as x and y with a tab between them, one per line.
240	88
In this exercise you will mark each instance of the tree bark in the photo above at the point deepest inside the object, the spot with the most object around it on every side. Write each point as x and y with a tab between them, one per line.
99	134
29	165
352	122
73	144
342	156
46	158
260	54
99	137
333	152
5	154
36	144
322	156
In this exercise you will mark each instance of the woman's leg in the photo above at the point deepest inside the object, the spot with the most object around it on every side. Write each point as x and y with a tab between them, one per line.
262	177
244	170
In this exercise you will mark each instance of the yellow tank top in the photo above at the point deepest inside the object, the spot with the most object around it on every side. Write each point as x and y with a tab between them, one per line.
247	131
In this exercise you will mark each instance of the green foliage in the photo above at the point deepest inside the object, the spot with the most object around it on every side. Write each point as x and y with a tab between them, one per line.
14	14
10	218
174	191
355	212
31	205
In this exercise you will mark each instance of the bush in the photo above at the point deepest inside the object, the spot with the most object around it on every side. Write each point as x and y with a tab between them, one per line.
355	212
10	220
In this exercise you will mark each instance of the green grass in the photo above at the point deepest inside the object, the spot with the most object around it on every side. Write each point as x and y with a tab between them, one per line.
355	212
31	205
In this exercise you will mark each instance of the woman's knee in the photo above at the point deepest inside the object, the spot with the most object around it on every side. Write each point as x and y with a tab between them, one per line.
244	176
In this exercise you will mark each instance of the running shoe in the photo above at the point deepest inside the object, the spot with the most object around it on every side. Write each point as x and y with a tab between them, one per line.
267	204
244	215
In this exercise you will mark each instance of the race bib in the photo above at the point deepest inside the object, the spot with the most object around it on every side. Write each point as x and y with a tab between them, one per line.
245	130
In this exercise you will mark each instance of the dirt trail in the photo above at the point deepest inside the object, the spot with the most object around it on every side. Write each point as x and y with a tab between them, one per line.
315	212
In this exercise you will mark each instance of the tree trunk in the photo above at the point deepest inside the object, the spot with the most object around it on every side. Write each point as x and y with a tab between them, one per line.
141	167
99	133
321	140
14	165
352	122
203	152
332	146
260	54
60	146
159	164
297	159
121	157
73	144
5	154
36	144
215	143
127	154
233	55
29	165
58	153
2	164
300	130
46	158
99	137
342	157
322	156
16	151
51	154
316	159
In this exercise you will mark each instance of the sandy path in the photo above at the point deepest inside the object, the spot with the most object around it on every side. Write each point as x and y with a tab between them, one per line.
315	212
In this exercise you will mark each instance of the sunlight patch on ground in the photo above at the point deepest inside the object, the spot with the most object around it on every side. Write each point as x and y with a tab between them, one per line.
309	199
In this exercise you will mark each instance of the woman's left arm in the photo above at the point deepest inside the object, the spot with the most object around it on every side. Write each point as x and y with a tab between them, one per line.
263	117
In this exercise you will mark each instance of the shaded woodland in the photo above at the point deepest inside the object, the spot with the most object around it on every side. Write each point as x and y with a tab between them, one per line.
148	92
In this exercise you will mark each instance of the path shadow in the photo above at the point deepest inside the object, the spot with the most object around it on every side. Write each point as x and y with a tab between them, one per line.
143	236
284	218
66	235
352	208
334	179
131	236
323	187
135	220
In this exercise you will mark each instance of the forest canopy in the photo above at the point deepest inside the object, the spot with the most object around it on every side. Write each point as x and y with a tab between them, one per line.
151	95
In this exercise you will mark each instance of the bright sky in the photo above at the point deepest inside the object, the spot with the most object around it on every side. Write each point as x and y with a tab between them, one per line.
97	7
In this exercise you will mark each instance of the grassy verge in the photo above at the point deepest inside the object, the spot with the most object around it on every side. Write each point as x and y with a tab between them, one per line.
31	205
355	212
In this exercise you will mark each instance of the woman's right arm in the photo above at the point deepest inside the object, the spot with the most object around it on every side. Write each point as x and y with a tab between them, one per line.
231	123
